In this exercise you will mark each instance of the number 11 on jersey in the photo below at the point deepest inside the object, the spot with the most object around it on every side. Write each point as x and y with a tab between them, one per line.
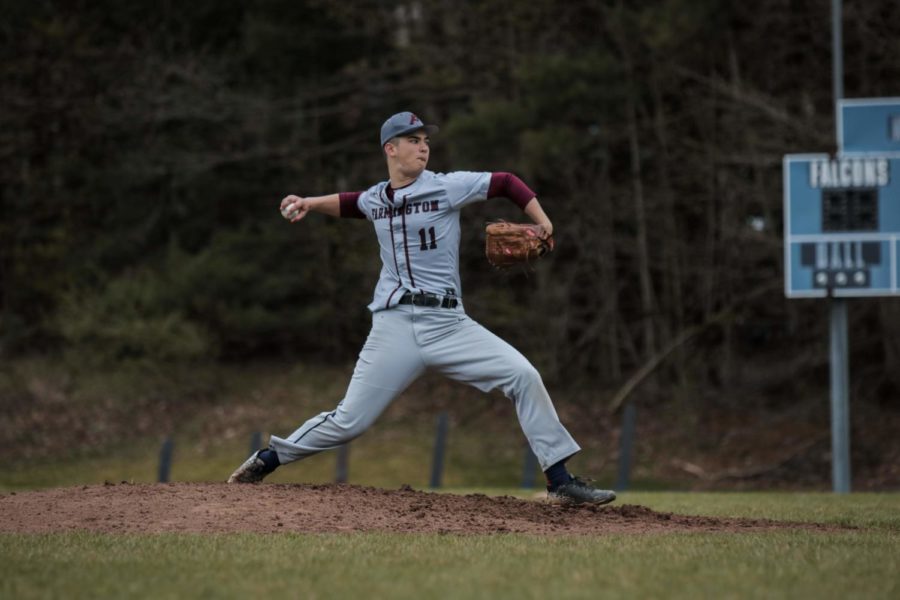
424	245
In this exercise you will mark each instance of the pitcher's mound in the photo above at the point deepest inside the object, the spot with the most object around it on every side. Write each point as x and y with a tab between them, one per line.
222	508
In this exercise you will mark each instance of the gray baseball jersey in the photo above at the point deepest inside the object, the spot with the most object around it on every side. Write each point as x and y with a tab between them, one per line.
418	232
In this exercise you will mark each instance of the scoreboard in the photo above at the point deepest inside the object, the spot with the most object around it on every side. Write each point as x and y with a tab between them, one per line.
842	213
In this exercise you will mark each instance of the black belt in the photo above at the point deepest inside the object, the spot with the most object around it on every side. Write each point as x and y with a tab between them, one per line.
428	299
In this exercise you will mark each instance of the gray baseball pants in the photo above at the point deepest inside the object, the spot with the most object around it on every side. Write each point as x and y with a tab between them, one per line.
403	342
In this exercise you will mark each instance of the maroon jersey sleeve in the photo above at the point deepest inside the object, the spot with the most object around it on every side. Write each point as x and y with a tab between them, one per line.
509	186
349	206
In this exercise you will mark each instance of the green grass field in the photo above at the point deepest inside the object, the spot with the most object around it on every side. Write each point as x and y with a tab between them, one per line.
862	561
859	563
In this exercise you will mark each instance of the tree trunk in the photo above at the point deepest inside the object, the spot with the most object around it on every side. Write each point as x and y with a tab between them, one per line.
643	256
670	242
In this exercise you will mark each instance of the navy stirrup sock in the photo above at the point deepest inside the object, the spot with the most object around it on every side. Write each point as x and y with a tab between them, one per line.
557	475
270	457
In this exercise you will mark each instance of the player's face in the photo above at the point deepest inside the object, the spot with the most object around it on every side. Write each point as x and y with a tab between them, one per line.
411	153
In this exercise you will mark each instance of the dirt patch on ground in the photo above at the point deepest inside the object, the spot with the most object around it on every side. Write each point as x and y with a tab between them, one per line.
268	508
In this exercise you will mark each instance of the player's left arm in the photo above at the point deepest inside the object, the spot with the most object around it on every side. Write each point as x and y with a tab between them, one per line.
509	186
539	217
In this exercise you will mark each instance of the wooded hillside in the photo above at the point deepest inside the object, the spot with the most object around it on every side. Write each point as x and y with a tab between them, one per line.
146	146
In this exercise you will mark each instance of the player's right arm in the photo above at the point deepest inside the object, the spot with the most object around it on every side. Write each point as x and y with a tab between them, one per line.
343	204
295	208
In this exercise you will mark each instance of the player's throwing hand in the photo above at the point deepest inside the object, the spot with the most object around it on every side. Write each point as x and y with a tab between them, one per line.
294	208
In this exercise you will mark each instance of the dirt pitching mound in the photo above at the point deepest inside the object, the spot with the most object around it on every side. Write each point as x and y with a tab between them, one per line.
268	508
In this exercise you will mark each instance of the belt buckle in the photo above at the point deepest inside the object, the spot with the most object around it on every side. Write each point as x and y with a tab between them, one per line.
419	299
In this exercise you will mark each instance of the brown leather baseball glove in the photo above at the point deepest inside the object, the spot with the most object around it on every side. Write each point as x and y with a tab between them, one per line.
510	244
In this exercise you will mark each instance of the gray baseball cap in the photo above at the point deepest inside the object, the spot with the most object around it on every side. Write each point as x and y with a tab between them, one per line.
403	123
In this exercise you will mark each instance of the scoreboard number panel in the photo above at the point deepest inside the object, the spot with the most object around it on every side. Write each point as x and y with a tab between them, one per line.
869	126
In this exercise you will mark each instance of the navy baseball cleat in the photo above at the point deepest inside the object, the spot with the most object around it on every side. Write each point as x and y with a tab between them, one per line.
579	492
253	470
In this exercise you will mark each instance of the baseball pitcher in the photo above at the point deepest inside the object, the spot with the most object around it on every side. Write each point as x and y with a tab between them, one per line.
418	312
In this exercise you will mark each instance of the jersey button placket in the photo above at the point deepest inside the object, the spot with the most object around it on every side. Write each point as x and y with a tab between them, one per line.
403	250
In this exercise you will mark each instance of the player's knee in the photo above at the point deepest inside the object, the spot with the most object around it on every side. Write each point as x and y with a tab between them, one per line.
352	427
526	375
